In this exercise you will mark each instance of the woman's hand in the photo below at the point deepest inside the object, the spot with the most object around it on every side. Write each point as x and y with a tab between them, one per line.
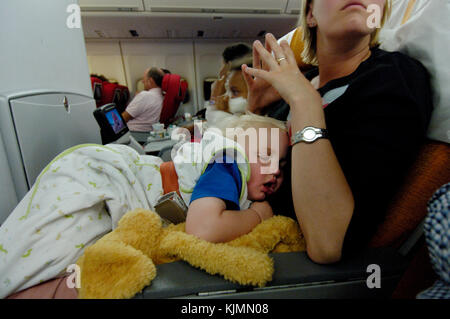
279	71
260	92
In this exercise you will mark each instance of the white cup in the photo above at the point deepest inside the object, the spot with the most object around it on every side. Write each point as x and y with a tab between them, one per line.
157	127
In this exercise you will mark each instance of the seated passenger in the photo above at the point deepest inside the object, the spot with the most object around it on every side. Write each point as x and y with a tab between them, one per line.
230	54
145	109
83	192
229	92
220	202
369	110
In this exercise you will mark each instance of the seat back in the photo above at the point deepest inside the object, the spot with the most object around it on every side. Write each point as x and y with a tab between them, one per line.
111	93
175	92
429	172
97	89
123	98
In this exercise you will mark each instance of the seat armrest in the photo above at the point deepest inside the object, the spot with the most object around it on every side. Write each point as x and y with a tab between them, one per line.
179	279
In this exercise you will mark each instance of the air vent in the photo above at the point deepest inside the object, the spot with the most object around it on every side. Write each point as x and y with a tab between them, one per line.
100	33
200	33
134	33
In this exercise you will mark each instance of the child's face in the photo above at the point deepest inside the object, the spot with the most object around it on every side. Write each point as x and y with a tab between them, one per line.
266	172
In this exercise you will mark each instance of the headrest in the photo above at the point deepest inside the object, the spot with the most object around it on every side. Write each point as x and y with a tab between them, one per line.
175	92
174	87
97	89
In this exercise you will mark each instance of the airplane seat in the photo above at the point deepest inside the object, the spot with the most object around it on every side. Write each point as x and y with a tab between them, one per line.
124	98
97	89
111	93
430	171
175	91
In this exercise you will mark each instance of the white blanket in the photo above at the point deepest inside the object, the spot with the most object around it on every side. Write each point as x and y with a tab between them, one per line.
79	197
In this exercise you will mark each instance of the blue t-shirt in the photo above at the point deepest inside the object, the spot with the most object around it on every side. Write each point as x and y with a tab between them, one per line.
220	180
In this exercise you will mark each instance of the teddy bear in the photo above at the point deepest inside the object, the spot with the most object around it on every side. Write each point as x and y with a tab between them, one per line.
123	262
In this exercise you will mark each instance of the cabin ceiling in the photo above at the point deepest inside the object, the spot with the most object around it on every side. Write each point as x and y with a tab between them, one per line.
184	26
187	19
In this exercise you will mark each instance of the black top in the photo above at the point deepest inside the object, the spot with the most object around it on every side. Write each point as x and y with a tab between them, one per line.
377	119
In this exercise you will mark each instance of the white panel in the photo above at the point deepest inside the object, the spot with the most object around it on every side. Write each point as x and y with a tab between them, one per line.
38	49
208	62
176	56
8	197
294	7
230	6
104	58
111	5
39	142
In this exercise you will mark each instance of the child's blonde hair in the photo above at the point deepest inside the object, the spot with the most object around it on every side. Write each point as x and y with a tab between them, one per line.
250	120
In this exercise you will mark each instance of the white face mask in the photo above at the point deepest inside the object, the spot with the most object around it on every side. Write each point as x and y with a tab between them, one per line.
237	105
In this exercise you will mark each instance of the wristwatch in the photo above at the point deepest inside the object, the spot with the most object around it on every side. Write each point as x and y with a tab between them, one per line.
309	135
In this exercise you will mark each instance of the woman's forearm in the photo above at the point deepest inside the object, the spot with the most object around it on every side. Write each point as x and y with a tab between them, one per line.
322	198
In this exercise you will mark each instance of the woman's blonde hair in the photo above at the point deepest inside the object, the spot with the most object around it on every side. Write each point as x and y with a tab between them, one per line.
309	35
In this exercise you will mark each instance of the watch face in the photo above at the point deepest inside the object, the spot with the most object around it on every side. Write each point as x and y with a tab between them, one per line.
309	135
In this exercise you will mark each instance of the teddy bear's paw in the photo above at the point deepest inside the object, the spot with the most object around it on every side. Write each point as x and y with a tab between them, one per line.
111	269
278	233
140	229
243	265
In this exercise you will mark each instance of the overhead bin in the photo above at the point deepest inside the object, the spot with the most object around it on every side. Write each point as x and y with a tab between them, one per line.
293	7
111	5
218	6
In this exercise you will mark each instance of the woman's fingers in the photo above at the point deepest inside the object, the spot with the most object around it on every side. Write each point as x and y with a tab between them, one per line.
247	77
265	56
288	53
256	59
277	50
257	73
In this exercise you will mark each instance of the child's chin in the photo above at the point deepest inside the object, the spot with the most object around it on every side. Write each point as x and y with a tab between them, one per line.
257	197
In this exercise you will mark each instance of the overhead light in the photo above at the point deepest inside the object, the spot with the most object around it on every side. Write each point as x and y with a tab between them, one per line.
99	33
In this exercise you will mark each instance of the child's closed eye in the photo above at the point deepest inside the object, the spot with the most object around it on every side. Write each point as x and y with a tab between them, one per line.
264	158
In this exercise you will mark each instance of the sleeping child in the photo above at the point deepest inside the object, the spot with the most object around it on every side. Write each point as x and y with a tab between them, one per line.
83	192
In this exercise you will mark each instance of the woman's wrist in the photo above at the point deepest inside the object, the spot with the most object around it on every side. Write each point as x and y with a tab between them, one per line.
304	116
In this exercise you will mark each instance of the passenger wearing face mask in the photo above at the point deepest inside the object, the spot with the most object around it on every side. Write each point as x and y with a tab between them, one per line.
234	100
229	92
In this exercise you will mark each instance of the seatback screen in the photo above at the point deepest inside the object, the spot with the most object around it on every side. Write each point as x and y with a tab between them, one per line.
115	120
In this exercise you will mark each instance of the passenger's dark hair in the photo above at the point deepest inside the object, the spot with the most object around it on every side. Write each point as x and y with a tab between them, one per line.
156	75
166	71
236	51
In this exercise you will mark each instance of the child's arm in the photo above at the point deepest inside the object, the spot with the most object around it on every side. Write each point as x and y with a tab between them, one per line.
208	219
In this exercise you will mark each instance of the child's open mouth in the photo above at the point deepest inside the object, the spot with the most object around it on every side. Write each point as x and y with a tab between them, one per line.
269	187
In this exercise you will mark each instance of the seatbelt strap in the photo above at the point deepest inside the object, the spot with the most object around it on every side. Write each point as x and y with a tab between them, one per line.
409	244
169	177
